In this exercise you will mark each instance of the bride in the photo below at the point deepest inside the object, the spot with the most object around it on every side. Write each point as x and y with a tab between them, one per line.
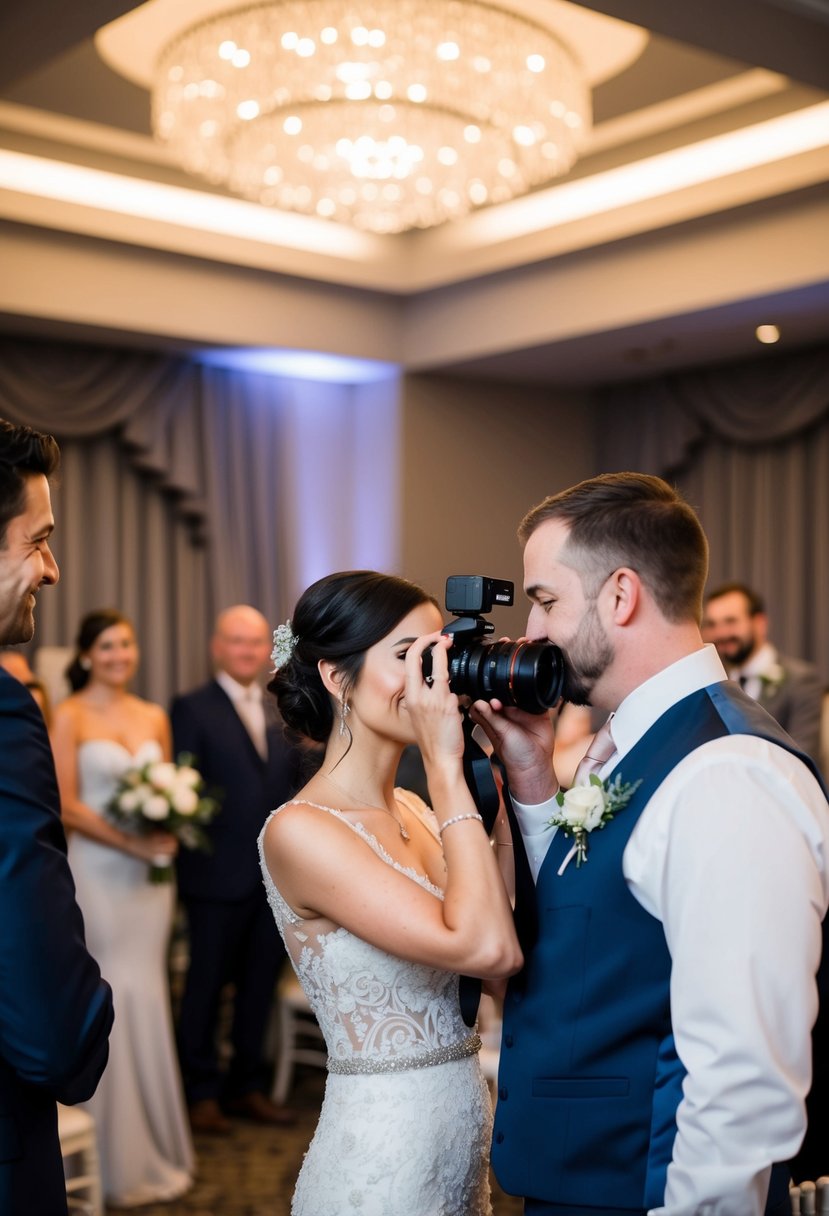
382	903
98	733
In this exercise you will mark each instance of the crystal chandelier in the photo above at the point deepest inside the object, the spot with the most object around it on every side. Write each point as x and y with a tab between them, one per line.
386	114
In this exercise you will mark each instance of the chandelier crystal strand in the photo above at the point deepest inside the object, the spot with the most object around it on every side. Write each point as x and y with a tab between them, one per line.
385	114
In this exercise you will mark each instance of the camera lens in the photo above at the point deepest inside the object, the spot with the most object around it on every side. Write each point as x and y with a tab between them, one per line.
528	675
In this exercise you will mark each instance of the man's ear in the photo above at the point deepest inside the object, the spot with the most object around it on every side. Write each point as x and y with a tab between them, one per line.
761	628
624	590
330	676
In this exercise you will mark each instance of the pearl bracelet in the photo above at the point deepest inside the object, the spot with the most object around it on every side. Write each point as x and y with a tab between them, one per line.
458	819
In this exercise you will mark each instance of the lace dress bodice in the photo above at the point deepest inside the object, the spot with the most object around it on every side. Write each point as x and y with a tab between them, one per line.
406	1121
372	1007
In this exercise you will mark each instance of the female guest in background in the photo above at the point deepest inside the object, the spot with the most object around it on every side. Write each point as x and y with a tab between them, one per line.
98	733
381	903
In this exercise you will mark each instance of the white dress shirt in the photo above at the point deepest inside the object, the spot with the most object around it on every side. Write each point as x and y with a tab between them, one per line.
730	854
247	701
762	667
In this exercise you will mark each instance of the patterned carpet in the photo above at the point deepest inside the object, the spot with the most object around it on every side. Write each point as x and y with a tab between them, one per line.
252	1172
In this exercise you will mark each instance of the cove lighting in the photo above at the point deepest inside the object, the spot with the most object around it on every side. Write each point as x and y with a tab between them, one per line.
300	365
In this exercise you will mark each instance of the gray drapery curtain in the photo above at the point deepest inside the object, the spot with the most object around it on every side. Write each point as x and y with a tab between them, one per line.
128	505
748	445
178	493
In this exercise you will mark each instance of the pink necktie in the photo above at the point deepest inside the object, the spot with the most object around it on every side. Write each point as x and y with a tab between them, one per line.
250	710
599	751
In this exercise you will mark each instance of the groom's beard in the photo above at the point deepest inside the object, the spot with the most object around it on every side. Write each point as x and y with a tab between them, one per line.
586	658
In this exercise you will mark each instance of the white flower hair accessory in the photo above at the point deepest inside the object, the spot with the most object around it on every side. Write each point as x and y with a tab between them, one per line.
587	807
284	644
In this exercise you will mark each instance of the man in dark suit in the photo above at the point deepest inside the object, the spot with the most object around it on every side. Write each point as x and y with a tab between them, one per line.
791	690
55	1010
238	745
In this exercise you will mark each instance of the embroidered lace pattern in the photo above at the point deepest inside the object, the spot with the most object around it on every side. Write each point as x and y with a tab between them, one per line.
394	1138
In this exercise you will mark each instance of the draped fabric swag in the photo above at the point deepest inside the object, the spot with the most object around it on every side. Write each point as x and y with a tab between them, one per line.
186	488
748	445
178	492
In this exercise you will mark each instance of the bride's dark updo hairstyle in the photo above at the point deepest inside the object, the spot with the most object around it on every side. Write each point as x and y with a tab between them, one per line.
338	618
90	629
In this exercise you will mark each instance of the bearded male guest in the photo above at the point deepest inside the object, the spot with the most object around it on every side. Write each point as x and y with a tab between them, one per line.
656	1046
790	689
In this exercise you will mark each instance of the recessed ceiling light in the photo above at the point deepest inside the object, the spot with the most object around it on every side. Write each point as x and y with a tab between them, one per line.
767	334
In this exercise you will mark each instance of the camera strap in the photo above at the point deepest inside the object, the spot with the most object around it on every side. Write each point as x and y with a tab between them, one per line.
477	769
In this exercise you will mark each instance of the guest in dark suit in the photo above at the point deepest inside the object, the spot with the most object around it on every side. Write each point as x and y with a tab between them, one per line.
791	690
238	745
55	1010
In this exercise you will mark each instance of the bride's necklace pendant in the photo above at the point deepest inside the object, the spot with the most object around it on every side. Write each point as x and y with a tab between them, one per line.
404	835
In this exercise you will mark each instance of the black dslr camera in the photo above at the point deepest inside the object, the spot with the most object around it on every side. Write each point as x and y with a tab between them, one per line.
528	675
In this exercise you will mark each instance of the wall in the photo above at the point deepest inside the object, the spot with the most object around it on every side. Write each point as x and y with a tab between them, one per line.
476	456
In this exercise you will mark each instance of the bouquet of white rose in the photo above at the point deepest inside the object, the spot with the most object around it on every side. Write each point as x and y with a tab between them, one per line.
167	797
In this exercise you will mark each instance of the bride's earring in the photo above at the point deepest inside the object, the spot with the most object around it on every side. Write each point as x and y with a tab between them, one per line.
86	663
345	710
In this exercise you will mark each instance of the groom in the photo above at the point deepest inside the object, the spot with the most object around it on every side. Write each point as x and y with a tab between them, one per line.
656	1048
55	1010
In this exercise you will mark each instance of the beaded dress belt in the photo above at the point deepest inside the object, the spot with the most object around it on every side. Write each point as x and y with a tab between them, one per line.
426	1059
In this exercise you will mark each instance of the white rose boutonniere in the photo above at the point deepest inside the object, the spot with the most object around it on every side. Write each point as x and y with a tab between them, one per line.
773	677
587	807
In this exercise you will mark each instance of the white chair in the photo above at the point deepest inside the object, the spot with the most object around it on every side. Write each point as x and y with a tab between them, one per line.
76	1129
299	1038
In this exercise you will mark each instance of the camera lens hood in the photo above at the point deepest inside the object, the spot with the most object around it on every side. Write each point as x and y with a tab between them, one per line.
527	675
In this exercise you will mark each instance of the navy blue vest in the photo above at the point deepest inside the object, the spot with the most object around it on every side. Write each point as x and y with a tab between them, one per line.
590	1080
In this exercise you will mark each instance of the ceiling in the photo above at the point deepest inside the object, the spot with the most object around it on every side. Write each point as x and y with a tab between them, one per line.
699	210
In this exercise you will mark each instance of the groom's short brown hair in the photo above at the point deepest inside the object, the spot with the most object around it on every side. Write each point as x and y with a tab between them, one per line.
635	520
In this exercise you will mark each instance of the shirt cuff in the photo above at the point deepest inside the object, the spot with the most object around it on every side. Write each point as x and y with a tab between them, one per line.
535	830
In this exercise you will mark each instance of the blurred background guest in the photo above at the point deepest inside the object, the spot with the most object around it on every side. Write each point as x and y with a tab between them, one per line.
791	690
99	733
17	665
239	748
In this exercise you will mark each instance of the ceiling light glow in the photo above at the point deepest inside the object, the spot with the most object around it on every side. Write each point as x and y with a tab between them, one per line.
425	56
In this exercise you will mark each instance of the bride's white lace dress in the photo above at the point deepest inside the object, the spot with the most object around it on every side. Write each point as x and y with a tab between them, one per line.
143	1134
406	1121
